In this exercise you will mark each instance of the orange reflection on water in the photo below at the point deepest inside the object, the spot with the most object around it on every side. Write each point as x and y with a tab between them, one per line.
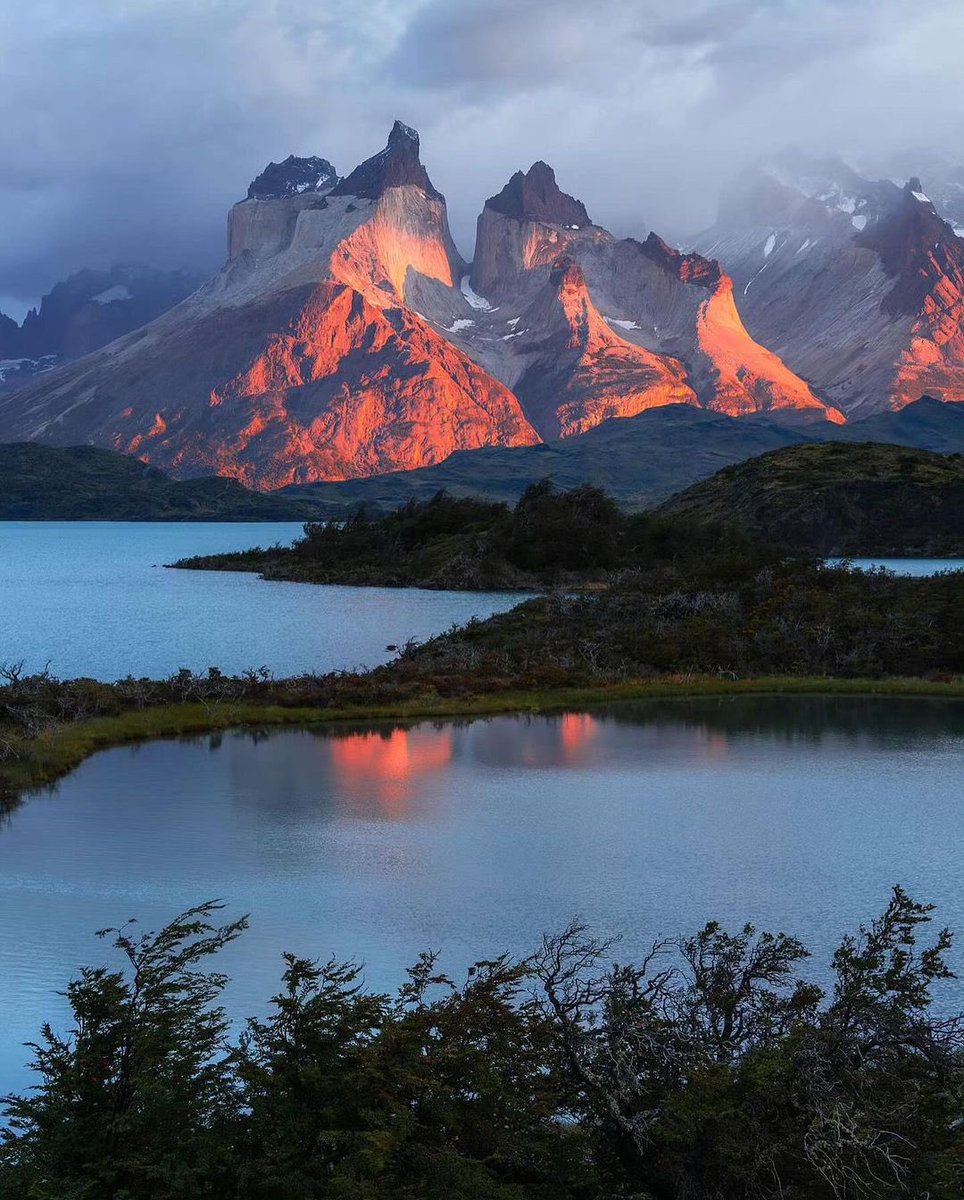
377	771
576	731
716	745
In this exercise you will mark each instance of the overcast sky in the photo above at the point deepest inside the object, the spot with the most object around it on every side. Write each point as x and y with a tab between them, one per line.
130	126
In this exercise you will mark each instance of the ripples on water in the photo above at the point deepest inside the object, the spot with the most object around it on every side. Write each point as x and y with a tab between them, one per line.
794	813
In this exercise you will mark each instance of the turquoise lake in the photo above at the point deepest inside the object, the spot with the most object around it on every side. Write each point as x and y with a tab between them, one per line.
93	598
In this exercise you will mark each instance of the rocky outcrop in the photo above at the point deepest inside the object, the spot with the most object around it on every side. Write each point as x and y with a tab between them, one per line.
535	196
305	358
349	390
677	309
398	165
574	372
293	177
528	224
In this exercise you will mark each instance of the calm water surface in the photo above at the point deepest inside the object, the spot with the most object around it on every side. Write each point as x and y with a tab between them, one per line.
794	813
92	598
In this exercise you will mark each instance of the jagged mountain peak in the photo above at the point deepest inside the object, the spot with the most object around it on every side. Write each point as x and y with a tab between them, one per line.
943	181
688	268
919	250
293	177
857	283
343	336
534	195
398	165
402	136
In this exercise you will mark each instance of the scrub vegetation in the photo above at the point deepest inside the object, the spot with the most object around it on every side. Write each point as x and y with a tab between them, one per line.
715	1067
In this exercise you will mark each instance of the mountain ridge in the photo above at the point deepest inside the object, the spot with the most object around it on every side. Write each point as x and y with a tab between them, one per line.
249	376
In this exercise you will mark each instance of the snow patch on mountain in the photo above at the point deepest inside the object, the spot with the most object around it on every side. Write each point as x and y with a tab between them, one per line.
479	303
118	292
26	368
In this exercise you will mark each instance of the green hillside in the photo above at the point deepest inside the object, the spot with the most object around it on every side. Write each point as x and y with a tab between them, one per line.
86	483
840	499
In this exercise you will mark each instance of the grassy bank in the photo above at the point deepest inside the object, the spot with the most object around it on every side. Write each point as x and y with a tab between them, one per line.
55	752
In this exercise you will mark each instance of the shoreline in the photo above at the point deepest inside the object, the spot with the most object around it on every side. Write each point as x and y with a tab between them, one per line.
56	753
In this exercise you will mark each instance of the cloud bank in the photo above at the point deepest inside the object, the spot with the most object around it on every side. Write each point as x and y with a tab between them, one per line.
132	125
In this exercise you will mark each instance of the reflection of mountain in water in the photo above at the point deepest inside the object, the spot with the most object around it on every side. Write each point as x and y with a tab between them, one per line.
871	720
369	774
397	772
380	770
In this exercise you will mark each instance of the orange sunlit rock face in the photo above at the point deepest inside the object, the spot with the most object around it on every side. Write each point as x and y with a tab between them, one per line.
347	390
345	336
378	773
684	341
747	377
579	371
408	231
933	362
926	262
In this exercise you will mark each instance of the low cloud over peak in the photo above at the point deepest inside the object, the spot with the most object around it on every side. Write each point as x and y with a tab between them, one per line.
131	126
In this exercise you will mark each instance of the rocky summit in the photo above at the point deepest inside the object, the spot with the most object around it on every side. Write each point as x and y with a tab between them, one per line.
293	177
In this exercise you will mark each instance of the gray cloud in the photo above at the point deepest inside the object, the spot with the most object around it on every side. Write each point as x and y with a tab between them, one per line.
131	125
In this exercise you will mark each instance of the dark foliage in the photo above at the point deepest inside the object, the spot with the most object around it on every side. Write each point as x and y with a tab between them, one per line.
548	537
722	614
711	1069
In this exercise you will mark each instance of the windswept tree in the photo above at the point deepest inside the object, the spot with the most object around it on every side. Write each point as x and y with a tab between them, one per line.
137	1099
713	1070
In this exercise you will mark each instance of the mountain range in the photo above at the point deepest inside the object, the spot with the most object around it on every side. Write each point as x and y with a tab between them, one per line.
640	461
345	337
87	310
